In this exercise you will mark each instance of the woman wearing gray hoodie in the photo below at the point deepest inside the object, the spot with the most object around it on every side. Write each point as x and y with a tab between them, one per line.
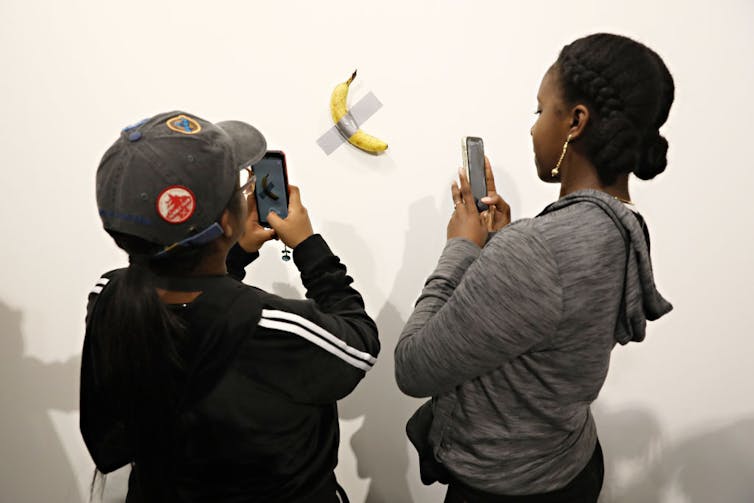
512	334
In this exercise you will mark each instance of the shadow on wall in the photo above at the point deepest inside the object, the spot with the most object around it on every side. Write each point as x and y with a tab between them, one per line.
380	445
715	466
33	464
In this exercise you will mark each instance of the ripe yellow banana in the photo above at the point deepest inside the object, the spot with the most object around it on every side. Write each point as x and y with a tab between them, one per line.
348	128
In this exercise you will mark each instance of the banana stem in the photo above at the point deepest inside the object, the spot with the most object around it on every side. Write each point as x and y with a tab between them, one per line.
348	82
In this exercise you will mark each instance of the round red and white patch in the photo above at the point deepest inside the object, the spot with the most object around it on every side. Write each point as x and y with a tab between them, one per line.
176	204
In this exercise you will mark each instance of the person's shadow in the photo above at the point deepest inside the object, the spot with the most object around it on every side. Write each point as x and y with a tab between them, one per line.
380	445
33	466
714	466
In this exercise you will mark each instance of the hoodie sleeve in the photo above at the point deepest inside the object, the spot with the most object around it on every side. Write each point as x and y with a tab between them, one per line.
237	260
317	350
478	311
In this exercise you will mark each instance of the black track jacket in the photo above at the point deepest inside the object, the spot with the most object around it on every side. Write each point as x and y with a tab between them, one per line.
260	422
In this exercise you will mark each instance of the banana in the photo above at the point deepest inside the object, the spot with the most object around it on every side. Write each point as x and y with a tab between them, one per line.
348	128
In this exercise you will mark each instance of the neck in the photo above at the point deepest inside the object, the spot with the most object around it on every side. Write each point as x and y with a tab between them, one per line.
580	174
213	262
212	265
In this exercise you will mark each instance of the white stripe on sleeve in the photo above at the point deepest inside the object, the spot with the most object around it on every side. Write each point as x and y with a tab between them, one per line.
297	325
299	320
101	283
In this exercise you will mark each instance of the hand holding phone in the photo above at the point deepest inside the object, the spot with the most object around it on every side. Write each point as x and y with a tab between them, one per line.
473	163
255	235
465	221
296	227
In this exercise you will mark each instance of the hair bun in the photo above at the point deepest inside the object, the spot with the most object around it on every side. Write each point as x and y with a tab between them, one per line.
654	158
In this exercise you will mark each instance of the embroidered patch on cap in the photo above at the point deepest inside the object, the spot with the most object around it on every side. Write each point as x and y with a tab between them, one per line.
183	124
176	204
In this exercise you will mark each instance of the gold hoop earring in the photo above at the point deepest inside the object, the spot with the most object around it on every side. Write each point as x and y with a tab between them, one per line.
556	169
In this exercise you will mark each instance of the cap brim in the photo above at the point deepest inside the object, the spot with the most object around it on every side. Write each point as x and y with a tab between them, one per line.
248	143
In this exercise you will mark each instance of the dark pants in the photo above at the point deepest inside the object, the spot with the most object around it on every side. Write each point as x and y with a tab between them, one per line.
584	488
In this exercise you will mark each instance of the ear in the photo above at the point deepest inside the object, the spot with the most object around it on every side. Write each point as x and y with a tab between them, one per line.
579	119
226	222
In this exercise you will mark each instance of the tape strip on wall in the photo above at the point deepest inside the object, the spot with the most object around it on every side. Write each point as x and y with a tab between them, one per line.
359	113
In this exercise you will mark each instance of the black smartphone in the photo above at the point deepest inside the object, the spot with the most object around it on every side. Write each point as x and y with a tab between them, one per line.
271	190
473	163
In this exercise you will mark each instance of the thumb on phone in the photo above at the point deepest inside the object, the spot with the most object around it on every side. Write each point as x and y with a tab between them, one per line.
274	220
296	227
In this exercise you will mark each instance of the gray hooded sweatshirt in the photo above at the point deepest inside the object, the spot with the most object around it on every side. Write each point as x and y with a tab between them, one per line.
513	341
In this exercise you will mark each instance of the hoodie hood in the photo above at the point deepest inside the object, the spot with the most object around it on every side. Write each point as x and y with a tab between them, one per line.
641	299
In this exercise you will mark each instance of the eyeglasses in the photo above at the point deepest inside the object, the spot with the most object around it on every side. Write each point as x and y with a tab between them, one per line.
246	181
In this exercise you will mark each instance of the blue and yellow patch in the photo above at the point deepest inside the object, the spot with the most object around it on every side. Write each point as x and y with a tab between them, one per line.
184	124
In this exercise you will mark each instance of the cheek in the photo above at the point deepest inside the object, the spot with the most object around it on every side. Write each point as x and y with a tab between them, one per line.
245	208
241	212
542	149
536	138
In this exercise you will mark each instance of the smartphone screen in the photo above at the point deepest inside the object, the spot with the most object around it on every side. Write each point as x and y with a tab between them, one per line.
271	190
474	160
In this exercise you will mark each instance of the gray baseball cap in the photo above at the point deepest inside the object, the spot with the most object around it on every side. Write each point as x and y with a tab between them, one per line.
168	179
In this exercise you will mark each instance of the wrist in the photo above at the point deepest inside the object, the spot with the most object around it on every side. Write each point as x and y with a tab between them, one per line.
456	257
310	251
299	239
478	241
239	258
249	247
464	239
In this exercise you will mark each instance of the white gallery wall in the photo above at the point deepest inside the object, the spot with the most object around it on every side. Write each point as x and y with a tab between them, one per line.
676	415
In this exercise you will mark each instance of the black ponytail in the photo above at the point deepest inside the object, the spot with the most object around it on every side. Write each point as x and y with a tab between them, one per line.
142	339
629	92
138	345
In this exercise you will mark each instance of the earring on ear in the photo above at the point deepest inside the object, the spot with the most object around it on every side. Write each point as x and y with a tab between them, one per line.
556	169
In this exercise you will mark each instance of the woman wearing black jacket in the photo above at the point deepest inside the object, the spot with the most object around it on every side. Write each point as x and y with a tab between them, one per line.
211	389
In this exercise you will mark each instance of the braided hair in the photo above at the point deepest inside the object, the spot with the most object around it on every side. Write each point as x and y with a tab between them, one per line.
629	92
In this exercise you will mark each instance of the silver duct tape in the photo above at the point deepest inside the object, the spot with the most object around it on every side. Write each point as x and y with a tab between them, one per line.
347	126
359	113
331	140
365	108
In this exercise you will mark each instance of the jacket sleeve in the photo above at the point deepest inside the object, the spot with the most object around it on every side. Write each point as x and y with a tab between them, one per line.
103	432
237	260
317	350
478	310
